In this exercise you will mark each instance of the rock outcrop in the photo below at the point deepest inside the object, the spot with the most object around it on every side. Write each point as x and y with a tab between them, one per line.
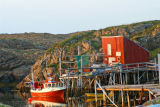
18	52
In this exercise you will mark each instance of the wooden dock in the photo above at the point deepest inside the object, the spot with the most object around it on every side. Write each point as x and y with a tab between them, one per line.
119	81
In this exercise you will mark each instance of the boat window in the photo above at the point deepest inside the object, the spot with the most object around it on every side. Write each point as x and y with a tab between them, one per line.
49	85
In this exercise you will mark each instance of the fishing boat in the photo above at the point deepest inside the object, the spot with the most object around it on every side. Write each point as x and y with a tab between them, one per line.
47	88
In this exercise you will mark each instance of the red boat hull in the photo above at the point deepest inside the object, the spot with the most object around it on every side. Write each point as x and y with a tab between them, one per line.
59	93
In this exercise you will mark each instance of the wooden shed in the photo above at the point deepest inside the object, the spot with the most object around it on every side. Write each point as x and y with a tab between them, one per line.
119	49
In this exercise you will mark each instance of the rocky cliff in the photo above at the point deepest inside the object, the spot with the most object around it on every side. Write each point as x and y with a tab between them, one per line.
146	34
18	52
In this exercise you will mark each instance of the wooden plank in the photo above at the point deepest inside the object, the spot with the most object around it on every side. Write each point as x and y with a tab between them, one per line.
134	89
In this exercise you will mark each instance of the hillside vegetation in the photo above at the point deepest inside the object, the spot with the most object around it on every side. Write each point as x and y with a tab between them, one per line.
146	34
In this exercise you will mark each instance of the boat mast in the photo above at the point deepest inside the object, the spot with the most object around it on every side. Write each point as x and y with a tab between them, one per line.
32	77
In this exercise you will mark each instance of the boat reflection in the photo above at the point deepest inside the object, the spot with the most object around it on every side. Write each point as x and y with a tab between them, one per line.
47	101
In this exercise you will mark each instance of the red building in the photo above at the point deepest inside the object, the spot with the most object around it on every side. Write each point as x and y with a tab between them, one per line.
121	49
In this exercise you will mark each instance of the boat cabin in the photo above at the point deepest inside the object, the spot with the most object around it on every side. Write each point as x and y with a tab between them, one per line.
51	84
41	85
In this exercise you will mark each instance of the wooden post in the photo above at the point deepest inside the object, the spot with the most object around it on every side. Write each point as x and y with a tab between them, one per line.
138	75
60	62
147	75
104	99
134	99
128	99
156	77
81	70
126	78
159	66
77	82
122	97
89	84
114	79
110	78
113	97
95	88
134	77
121	78
150	97
72	82
121	75
63	81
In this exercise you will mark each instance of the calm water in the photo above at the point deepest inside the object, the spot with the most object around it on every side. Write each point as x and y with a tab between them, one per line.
16	99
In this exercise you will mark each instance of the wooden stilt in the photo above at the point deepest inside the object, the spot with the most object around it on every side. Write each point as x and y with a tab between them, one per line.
128	99
104	99
121	78
113	97
63	81
72	83
122	97
77	82
138	75
95	88
114	79
89	84
150	97
134	77
159	66
140	94
147	75
126	78
134	99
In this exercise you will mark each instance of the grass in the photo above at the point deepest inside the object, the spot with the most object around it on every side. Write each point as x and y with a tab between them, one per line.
155	52
143	33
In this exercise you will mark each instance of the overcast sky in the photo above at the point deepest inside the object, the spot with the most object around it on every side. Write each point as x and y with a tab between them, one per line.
66	16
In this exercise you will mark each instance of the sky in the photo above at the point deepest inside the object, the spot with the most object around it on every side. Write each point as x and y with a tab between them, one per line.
67	16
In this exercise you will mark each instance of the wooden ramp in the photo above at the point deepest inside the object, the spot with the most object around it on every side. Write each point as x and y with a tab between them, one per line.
155	92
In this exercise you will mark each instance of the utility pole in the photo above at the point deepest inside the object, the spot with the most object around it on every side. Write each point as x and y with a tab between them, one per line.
81	70
60	62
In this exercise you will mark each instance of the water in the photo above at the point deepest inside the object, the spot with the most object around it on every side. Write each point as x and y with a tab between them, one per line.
14	98
17	99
